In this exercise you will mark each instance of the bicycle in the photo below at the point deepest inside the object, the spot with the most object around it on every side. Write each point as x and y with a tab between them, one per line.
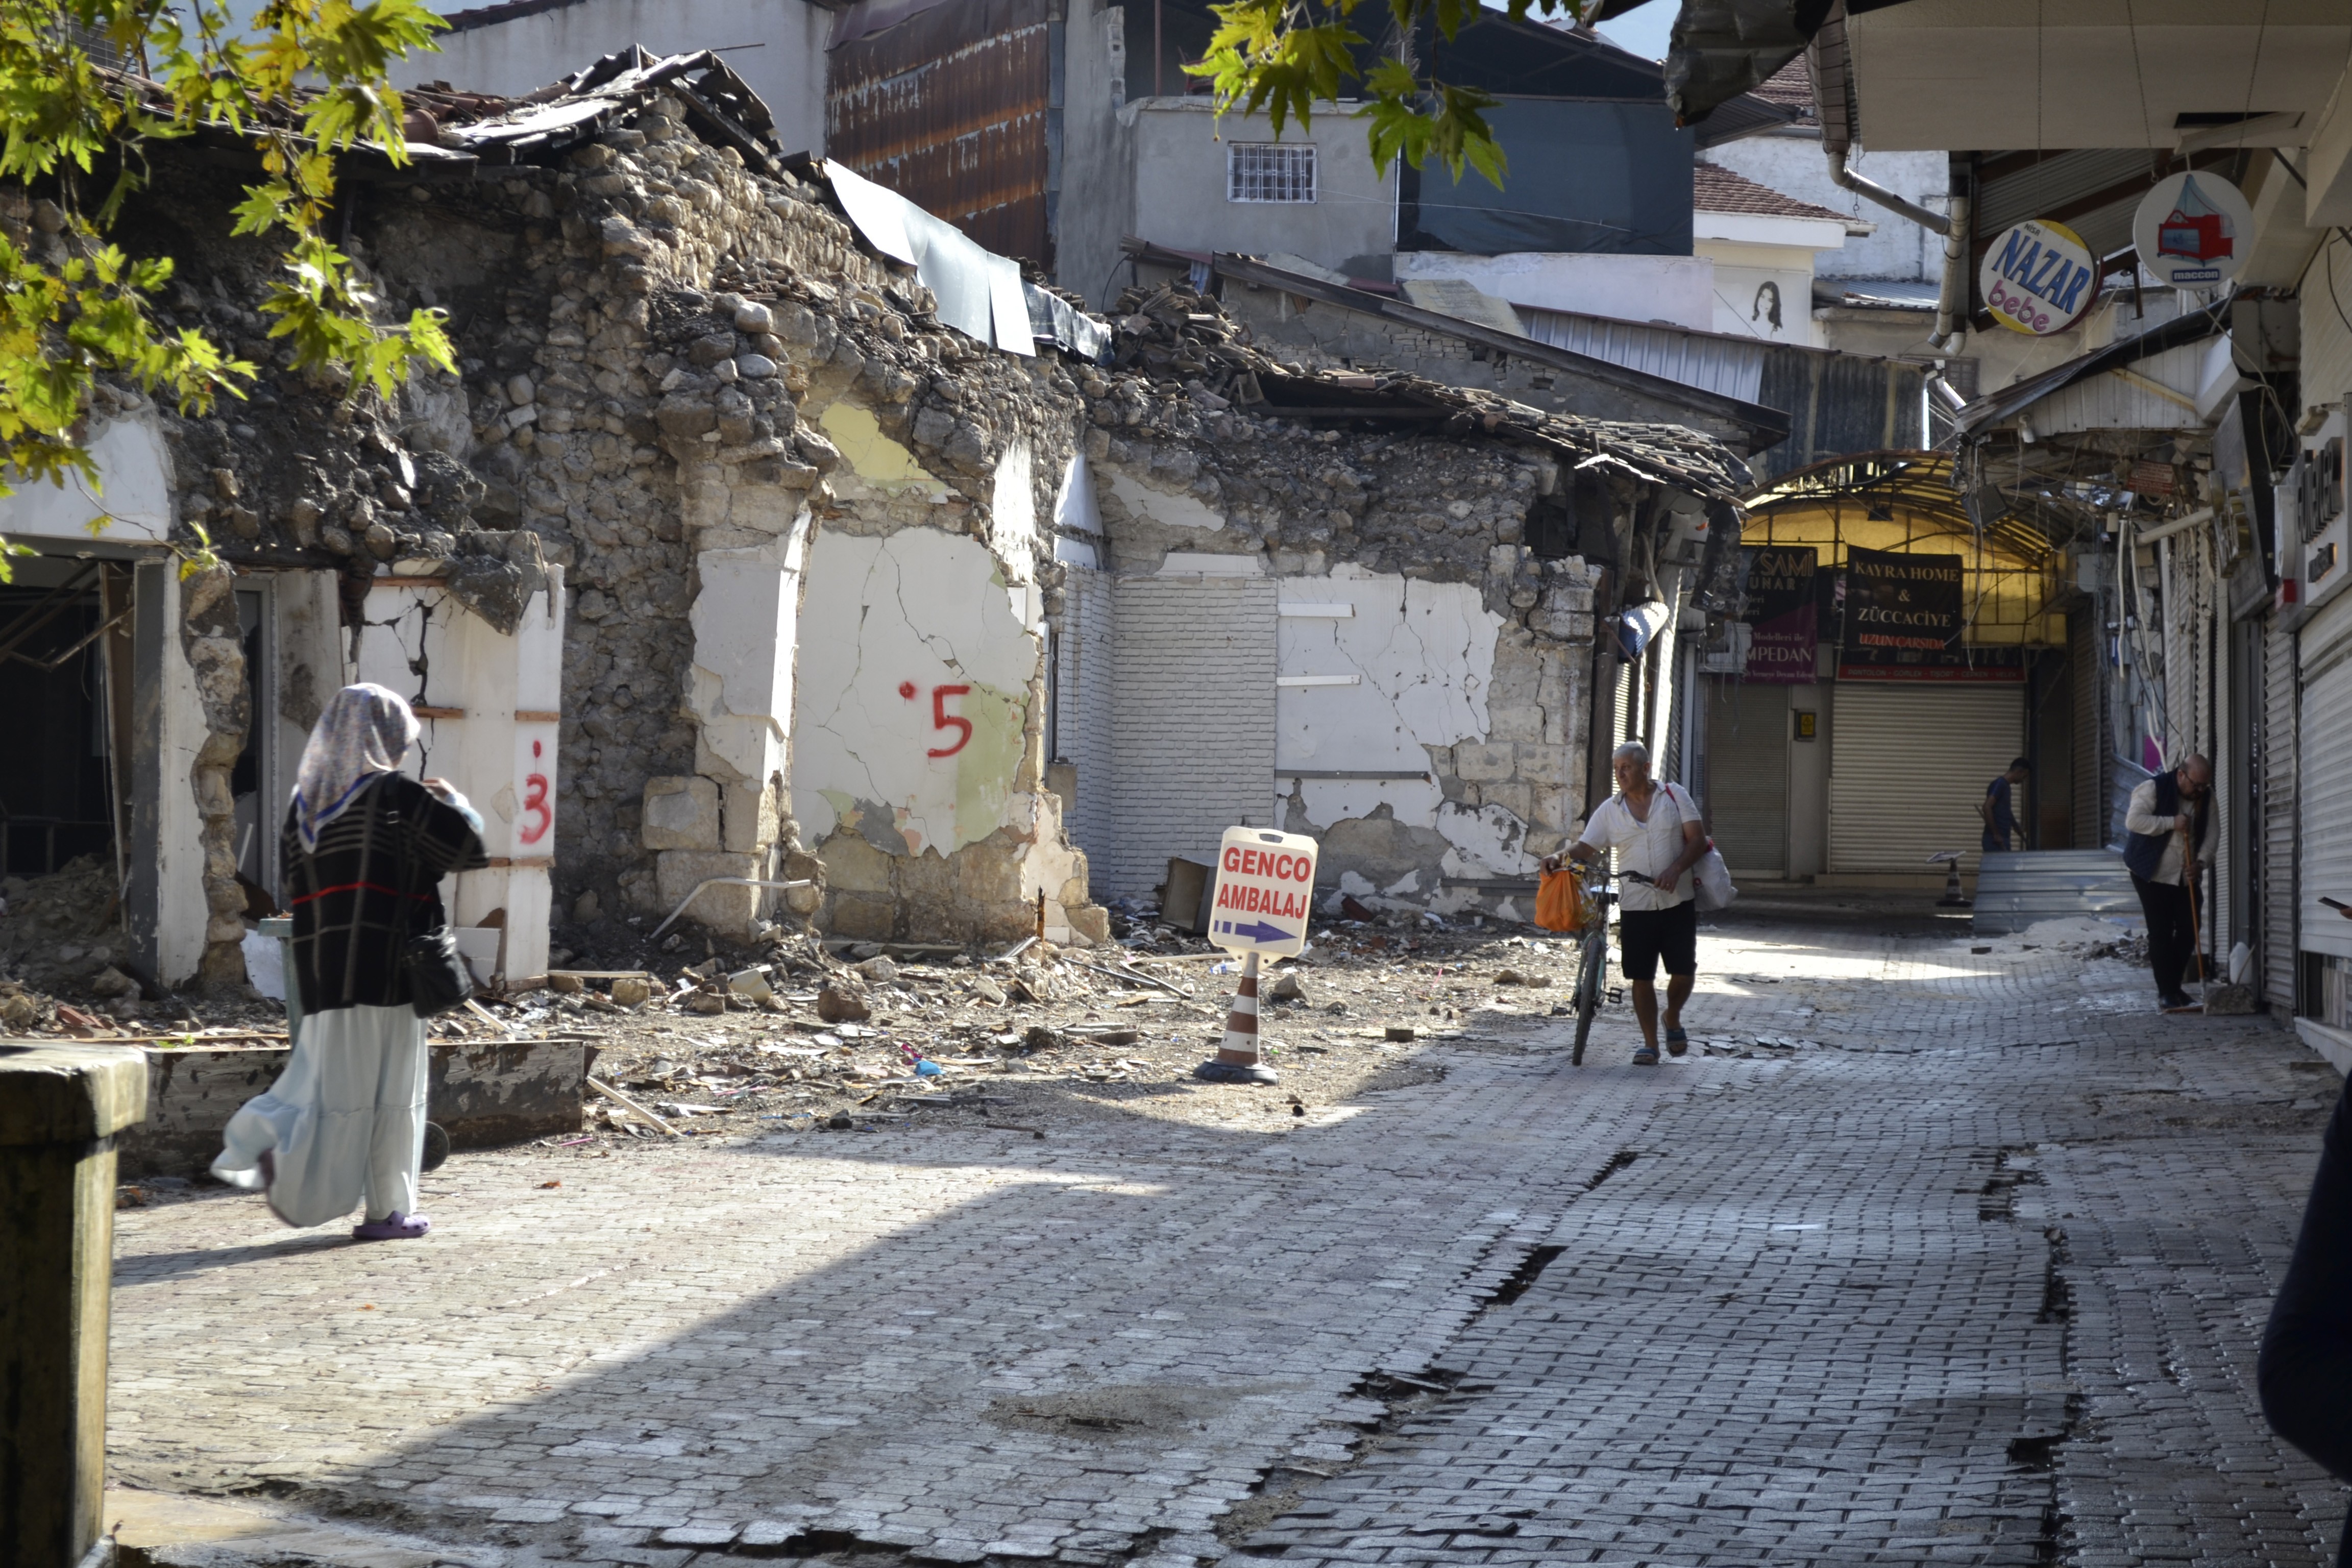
1595	968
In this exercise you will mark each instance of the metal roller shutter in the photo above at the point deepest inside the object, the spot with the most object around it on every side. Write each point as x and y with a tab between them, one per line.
1907	766
2278	819
2090	738
1748	775
2326	775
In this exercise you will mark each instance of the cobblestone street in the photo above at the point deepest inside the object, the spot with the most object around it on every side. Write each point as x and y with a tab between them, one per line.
1924	1256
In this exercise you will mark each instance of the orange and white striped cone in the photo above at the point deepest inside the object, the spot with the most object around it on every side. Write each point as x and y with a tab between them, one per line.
1238	1061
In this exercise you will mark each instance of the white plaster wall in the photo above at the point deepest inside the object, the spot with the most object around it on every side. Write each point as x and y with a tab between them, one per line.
1013	513
1423	656
1898	249
503	763
184	913
1180	160
133	496
1743	305
515	57
1675	289
890	621
746	623
1086	707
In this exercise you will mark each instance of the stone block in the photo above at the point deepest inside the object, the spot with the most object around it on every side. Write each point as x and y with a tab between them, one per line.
1513	721
1089	921
854	866
1481	761
749	818
730	909
865	916
1544	764
1512	795
924	880
681	813
989	872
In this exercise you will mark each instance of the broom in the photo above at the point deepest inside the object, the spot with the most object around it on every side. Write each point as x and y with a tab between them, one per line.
2196	936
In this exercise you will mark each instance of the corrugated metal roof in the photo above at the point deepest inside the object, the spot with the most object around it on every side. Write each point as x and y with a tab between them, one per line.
2130	401
1728	366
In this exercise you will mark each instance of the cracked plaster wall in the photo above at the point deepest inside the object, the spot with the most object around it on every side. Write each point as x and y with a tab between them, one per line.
919	727
1472	657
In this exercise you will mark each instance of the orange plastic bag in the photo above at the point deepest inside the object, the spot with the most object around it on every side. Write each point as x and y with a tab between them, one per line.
1559	901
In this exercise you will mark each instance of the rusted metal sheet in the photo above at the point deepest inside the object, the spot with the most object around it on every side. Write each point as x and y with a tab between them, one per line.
950	107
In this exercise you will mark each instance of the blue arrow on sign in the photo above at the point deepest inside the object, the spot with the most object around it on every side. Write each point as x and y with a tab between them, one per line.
1258	930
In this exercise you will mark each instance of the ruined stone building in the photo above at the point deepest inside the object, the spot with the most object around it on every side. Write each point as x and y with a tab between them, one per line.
772	532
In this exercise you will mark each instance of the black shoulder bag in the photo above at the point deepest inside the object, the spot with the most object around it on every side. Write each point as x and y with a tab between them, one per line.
438	979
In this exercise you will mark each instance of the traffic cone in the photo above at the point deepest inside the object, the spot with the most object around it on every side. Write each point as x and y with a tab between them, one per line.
1237	1060
1953	898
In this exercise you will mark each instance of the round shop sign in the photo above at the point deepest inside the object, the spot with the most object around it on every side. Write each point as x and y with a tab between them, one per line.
2039	278
2194	231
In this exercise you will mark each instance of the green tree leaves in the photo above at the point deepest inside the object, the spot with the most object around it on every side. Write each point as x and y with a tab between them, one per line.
85	86
1281	57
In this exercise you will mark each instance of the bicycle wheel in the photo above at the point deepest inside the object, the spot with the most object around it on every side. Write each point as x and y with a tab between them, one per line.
1588	990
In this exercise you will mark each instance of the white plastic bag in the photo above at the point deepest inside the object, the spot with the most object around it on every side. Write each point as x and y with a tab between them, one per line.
1711	887
265	964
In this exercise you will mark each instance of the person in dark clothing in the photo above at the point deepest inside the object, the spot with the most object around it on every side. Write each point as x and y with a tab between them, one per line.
2305	1371
366	849
2169	836
1998	809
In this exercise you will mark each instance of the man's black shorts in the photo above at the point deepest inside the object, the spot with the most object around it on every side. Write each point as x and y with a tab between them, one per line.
1649	935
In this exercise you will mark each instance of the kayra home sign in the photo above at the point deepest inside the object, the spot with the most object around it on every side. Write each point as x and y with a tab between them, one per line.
2039	278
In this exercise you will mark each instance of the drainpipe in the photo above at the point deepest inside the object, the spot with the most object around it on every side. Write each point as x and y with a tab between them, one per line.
1951	301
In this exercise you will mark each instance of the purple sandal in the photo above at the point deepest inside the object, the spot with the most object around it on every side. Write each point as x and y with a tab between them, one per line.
394	1226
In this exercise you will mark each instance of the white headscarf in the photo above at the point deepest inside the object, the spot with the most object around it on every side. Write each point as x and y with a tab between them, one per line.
366	730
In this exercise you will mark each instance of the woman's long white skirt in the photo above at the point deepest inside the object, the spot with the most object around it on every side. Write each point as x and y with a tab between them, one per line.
345	1119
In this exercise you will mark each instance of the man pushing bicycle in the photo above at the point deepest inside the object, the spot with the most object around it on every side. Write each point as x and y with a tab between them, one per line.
1658	836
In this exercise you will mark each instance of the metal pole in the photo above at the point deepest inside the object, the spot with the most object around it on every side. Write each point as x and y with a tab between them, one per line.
1157	87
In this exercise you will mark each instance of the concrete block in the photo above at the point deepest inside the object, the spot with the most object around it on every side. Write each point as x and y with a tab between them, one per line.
484	1094
1484	760
60	1109
681	813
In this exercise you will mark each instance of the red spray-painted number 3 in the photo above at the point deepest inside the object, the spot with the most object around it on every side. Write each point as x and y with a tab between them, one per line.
943	720
534	800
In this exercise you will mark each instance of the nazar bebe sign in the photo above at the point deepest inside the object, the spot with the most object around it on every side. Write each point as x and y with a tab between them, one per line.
2039	278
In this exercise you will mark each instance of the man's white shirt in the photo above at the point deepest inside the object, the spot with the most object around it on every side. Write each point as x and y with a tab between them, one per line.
1648	848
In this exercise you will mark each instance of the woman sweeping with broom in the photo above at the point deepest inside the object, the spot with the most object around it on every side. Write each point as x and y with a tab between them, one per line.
366	847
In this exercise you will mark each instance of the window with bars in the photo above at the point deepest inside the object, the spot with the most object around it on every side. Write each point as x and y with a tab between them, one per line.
1269	172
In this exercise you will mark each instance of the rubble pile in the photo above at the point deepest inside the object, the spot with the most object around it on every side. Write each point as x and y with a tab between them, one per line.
842	1038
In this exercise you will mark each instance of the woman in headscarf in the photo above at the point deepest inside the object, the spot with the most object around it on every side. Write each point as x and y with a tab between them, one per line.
366	847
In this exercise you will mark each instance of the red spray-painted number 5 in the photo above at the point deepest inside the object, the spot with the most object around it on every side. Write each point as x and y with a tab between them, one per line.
943	720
